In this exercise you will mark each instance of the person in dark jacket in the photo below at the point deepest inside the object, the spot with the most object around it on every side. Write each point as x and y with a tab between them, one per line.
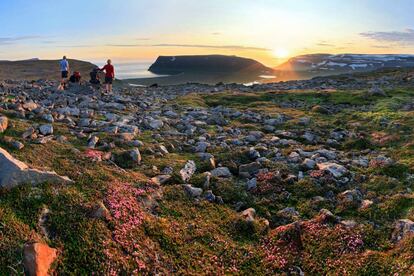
94	77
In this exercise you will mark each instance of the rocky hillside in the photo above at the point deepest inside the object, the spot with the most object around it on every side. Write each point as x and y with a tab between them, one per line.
39	69
302	177
306	66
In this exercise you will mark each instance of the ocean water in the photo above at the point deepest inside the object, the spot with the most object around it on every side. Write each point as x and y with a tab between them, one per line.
134	70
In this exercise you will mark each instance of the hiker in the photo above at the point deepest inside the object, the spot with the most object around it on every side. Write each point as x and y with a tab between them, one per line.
109	75
94	77
64	70
76	77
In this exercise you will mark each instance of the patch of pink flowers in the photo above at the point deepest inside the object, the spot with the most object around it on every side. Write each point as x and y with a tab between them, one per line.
126	219
95	155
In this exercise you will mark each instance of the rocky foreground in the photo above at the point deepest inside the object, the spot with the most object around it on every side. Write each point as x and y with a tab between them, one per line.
300	177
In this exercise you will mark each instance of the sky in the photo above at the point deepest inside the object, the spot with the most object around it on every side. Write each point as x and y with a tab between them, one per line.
270	31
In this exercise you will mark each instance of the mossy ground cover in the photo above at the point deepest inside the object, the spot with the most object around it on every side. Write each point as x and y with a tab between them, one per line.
183	236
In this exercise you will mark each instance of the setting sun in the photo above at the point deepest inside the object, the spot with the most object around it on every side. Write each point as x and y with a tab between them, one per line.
281	53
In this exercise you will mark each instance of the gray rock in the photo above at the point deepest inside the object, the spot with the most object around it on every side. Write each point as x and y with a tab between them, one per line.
221	172
93	141
163	150
289	213
249	169
48	118
352	196
193	191
309	164
167	170
14	173
46	129
156	124
161	179
251	184
135	155
376	91
201	146
187	172
335	169
402	228
17	145
209	196
84	122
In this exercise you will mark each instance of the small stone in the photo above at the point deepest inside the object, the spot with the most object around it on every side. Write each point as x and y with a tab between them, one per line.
251	184
93	141
221	172
38	258
4	123
48	118
320	109
100	211
135	155
309	164
46	129
163	150
17	145
249	215
161	179
209	196
193	191
335	169
250	169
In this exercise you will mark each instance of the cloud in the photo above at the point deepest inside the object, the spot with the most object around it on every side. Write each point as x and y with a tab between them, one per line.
142	38
226	47
216	33
381	46
13	40
324	44
401	37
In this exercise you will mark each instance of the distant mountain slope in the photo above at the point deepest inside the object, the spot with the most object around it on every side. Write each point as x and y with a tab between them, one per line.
306	66
207	64
39	69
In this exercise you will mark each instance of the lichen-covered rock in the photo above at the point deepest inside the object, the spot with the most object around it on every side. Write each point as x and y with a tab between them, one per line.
187	172
14	173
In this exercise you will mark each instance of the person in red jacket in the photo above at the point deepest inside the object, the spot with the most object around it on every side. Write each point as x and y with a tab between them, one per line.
109	75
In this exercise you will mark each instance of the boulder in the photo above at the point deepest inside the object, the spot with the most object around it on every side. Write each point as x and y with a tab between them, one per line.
38	258
14	173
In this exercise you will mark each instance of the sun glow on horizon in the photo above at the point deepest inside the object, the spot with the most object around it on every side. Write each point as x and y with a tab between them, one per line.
281	53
